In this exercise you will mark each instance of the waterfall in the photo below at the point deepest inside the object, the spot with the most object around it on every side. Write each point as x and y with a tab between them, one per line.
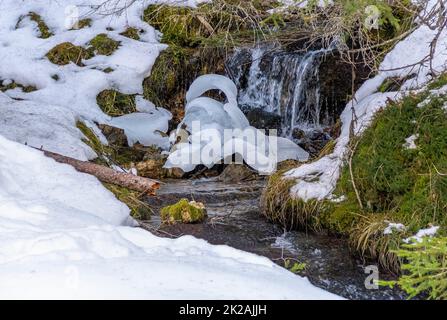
280	82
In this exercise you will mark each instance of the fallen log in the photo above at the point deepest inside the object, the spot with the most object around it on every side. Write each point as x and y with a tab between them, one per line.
108	175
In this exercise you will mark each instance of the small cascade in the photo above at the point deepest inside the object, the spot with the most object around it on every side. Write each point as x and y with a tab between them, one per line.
283	83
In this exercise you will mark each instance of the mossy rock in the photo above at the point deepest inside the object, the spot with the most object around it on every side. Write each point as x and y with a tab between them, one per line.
66	52
114	103
103	45
184	211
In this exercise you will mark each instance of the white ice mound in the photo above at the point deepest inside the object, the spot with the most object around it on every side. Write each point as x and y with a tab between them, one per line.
148	128
213	131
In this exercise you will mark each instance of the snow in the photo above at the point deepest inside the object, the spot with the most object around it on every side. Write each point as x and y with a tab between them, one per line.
212	131
302	4
62	234
317	180
145	128
418	237
74	93
393	227
410	142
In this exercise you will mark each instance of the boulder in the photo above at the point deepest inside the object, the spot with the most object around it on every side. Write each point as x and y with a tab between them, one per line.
115	136
184	211
235	173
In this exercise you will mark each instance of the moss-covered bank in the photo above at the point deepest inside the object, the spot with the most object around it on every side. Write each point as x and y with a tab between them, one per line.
200	39
398	182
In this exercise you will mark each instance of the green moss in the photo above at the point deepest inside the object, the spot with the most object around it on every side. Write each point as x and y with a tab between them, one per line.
13	85
439	82
90	138
84	23
115	103
176	23
111	154
108	70
103	45
45	32
389	84
390	177
66	52
184	211
131	33
395	183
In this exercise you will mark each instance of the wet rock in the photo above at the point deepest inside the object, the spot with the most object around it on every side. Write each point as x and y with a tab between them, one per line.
234	173
314	141
175	173
298	134
335	78
261	119
115	136
152	166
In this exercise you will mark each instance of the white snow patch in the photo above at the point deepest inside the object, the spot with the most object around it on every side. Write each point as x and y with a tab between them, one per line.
418	237
393	227
410	142
66	94
146	128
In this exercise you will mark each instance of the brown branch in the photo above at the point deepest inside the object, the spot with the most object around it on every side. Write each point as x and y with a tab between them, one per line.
108	175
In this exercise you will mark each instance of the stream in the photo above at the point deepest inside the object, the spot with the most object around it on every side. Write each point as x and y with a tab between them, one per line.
234	219
300	95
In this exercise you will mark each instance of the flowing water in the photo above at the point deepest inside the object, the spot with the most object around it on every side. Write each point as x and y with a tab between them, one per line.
280	82
235	220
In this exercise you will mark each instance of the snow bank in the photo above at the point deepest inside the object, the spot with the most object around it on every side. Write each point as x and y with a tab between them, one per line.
317	180
69	92
212	131
62	235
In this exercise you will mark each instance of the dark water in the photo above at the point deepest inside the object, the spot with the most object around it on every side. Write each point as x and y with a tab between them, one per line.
234	220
